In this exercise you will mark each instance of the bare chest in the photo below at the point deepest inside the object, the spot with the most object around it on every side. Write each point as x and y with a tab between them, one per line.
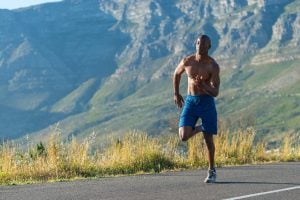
195	69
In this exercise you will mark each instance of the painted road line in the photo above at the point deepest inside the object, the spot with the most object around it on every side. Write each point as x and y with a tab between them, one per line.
263	193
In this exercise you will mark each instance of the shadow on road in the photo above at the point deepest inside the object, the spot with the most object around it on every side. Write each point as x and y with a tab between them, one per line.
255	182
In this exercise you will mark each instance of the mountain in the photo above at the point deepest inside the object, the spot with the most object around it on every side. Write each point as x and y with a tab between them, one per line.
103	67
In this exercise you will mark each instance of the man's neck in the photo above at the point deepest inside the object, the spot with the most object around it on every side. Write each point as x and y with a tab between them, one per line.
201	56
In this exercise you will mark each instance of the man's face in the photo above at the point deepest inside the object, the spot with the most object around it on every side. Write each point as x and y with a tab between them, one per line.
202	45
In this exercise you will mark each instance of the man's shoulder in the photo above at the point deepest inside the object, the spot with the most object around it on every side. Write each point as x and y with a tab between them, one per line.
213	62
187	59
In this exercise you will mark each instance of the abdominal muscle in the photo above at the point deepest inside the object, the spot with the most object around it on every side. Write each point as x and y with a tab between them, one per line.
193	89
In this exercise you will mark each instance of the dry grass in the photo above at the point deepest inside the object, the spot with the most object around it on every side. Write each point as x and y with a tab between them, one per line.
135	153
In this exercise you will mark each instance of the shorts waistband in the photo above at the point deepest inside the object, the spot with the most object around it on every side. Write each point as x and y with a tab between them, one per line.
204	95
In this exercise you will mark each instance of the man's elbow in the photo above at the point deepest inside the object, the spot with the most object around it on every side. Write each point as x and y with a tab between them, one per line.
176	76
215	94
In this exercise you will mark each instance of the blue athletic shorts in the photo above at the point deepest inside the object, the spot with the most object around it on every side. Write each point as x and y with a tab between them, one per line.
202	106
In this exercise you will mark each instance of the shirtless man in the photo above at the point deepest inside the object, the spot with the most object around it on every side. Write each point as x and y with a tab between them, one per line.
203	86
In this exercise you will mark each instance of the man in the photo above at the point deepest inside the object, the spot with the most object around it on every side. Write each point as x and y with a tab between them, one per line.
203	86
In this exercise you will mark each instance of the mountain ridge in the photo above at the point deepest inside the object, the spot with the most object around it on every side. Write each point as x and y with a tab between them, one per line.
106	66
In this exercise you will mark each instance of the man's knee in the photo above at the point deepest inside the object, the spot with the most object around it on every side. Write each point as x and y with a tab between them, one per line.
183	138
183	134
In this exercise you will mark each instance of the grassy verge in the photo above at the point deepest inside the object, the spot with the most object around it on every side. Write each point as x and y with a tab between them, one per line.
134	153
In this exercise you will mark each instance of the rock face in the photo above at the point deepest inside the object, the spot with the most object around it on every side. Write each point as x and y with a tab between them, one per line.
60	61
239	29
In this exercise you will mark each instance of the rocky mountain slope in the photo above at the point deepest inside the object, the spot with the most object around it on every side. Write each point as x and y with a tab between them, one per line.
103	67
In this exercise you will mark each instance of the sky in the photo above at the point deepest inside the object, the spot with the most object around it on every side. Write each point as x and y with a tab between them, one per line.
12	4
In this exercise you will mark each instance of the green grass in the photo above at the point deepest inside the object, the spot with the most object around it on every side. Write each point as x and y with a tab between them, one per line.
272	112
69	103
246	98
263	73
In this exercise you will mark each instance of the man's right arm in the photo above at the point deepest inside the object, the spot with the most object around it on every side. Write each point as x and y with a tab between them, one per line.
176	82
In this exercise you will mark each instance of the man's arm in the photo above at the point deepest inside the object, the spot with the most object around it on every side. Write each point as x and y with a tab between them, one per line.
213	87
176	82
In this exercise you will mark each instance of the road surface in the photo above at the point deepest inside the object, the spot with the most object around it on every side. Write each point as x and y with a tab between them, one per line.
270	181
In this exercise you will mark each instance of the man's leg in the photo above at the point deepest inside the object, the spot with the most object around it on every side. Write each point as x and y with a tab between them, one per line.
209	140
211	174
186	132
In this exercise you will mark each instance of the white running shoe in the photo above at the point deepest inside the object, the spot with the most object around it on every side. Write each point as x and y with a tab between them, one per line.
211	176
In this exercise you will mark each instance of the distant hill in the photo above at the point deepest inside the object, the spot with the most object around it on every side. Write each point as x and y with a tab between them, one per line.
103	67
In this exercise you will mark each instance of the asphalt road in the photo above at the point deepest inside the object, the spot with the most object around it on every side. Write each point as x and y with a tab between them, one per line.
271	181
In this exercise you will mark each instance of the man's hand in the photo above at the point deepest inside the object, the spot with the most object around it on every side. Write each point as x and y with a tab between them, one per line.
204	86
200	84
178	100
198	80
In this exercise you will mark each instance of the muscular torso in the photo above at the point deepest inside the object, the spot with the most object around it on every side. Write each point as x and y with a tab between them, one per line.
201	69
